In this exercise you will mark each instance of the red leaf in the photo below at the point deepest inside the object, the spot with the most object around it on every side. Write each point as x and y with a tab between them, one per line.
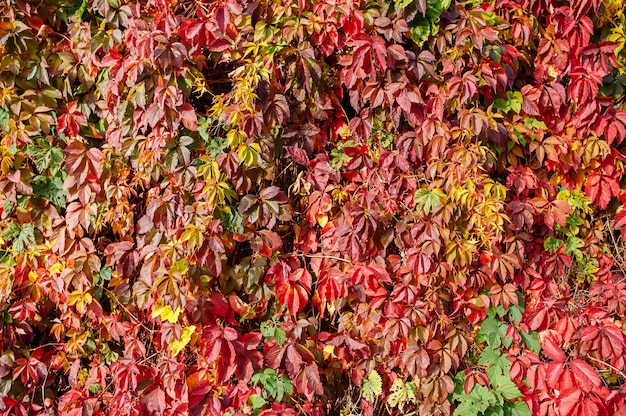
188	116
567	401
249	358
552	350
298	155
303	277
586	376
78	214
531	97
332	285
73	376
557	212
601	188
154	401
308	381
293	295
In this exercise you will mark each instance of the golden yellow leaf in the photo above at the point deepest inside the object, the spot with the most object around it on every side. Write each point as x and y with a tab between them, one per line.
177	346
166	313
329	351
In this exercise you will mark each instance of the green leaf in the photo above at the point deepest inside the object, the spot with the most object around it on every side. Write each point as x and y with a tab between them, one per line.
531	341
420	31
94	388
496	362
515	313
573	245
575	199
427	200
552	244
501	105
256	401
274	385
280	336
515	100
372	386
106	273
401	393
232	220
8	206
269	330
503	385
338	158
475	403
4	119
45	156
12	231
23	236
520	409
496	410
50	189
492	331
533	123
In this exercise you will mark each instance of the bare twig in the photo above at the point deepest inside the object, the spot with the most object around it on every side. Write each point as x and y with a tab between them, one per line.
319	256
617	370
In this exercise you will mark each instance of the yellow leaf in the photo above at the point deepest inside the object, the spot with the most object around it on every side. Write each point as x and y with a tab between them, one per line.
194	239
57	267
322	220
80	299
247	154
166	313
235	137
329	351
6	160
176	346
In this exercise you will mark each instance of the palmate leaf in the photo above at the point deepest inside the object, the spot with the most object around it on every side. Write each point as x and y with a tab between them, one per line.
519	409
503	386
313	138
427	200
401	393
497	364
372	386
552	244
50	189
23	236
270	330
45	156
477	402
493	332
274	385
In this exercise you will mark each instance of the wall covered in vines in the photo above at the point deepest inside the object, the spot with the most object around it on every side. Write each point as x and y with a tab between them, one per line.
338	207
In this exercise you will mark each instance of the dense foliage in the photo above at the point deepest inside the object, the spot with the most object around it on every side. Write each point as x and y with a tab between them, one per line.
316	207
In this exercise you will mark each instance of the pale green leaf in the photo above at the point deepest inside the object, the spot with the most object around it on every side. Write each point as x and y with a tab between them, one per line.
372	386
